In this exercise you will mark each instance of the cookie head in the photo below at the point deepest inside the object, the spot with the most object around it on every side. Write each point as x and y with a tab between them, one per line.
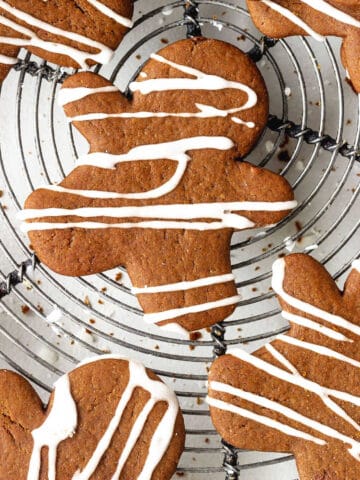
163	187
301	392
109	418
320	18
69	33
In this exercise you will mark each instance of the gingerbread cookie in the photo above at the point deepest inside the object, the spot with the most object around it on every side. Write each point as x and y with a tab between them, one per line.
161	192
318	18
108	419
71	33
301	392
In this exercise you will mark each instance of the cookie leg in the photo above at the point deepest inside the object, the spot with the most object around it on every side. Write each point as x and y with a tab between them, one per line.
183	277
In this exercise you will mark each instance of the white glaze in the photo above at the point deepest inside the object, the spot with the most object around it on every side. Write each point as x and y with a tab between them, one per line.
104	54
126	22
205	111
178	312
234	222
175	151
277	284
294	379
162	435
333	12
5	60
291	414
59	425
269	422
180	286
69	95
312	325
216	210
202	81
322	6
175	328
319	349
294	19
280	358
322	394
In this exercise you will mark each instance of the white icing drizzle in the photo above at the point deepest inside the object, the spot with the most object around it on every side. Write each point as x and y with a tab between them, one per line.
234	222
294	19
104	54
280	358
299	381
269	422
322	6
356	265
180	286
205	111
307	323
333	12
319	349
69	95
126	22
322	394
277	285
175	328
59	425
215	211
5	60
291	414
202	307
162	436
175	151
202	81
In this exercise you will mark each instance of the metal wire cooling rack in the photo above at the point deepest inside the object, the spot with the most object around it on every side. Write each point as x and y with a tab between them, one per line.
50	322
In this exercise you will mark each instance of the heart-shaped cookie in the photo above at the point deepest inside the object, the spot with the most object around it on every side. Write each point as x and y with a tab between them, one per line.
301	392
109	419
71	33
161	191
318	18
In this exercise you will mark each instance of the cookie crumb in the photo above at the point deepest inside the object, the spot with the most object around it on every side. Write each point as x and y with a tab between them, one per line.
25	309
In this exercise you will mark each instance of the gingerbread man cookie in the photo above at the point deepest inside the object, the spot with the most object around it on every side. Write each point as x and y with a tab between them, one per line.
318	18
301	392
161	191
109	419
71	33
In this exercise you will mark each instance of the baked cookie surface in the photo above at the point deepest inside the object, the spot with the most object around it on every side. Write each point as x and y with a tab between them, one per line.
70	33
317	18
108	419
301	392
161	191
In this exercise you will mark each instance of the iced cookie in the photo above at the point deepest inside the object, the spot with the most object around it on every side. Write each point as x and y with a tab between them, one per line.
108	419
301	392
161	191
318	18
71	33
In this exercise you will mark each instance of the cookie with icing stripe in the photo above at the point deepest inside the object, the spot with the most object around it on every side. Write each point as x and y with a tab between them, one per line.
301	392
161	191
70	33
109	419
317	18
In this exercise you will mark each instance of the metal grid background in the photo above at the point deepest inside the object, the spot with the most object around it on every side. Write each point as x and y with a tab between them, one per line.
49	322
